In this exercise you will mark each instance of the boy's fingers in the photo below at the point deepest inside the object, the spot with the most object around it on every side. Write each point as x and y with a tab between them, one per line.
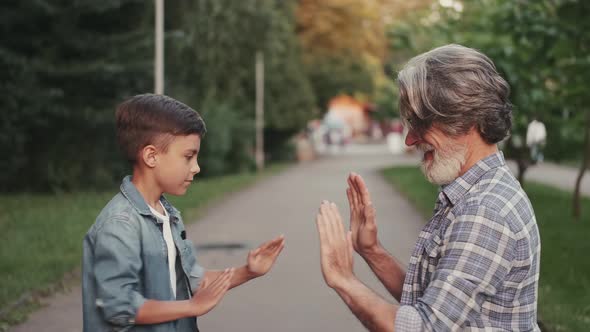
278	250
220	279
277	247
225	279
266	244
272	247
255	252
272	244
204	284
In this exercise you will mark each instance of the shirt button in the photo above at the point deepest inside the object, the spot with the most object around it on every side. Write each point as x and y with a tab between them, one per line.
450	278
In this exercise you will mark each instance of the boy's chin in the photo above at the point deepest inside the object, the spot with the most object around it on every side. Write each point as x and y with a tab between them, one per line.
178	191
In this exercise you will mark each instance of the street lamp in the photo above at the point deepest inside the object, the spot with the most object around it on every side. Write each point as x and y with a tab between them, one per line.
159	49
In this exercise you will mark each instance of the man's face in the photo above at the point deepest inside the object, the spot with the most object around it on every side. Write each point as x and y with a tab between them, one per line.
178	165
443	156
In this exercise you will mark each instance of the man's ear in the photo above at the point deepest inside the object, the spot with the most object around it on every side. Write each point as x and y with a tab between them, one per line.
149	155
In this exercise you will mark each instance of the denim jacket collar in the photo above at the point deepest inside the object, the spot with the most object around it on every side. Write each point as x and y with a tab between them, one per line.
130	192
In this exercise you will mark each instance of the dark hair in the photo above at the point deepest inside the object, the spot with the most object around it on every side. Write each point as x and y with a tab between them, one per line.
154	119
455	88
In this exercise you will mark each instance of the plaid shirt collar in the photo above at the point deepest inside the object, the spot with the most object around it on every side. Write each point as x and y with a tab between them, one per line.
455	190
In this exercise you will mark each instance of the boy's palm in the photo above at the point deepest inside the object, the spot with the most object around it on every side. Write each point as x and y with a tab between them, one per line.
211	293
261	259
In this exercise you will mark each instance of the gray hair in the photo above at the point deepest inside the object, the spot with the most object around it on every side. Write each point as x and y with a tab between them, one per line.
455	88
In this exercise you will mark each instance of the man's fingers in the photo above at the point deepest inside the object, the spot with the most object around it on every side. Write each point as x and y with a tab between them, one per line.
364	192
327	220
354	190
370	218
337	219
321	228
349	244
350	200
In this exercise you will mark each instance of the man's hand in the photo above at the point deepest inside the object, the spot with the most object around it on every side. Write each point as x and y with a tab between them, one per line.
362	215
261	259
335	246
210	294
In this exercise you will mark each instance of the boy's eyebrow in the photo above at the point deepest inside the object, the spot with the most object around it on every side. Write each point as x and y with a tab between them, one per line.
195	151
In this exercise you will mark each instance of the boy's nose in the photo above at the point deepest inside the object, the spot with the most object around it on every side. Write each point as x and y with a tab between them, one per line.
196	169
411	138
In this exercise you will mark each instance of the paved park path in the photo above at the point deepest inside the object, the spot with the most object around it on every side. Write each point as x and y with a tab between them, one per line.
563	177
293	297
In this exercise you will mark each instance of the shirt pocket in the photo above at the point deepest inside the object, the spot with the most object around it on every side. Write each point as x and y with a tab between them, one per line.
430	257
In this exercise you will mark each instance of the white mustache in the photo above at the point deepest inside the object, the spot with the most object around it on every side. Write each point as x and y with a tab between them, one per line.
425	147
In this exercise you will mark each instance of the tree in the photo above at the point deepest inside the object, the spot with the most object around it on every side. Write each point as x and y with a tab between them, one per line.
64	67
540	47
211	61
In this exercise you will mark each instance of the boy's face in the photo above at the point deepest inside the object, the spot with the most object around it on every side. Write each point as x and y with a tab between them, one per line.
177	166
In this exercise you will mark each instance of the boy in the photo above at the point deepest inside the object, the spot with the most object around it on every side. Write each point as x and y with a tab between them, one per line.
139	272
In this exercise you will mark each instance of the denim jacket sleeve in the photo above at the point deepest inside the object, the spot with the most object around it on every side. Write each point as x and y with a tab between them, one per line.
116	270
196	271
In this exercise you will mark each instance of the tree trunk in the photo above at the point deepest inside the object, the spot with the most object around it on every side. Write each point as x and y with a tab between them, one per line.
523	165
521	156
577	197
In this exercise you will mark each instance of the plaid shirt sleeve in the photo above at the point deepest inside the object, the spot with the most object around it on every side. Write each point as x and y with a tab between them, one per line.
476	255
408	319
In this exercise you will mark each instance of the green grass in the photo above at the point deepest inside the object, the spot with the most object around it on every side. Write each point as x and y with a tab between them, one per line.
41	238
564	286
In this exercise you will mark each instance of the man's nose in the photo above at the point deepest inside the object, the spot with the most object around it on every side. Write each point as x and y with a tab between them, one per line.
411	138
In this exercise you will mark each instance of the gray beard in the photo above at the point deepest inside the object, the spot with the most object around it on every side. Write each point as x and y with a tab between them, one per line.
446	165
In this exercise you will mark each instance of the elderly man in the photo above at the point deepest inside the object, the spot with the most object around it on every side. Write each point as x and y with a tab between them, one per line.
475	265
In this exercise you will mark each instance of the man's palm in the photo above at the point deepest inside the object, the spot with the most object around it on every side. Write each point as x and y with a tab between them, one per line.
362	215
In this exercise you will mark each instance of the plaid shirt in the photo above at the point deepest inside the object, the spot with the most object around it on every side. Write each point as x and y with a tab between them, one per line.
475	265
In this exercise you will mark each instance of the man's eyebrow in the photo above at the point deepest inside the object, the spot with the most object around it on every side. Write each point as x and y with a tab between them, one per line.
195	151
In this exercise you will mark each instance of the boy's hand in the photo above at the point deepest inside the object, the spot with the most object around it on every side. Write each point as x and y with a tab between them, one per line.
261	259
362	215
210	294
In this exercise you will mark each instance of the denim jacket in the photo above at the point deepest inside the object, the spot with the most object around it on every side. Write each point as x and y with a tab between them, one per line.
125	263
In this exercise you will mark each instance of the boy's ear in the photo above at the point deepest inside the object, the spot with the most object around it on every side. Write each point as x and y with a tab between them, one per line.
149	155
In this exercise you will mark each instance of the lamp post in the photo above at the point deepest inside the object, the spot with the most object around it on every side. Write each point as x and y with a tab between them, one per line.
259	154
159	49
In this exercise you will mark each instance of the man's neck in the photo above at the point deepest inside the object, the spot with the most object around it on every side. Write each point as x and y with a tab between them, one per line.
148	188
477	150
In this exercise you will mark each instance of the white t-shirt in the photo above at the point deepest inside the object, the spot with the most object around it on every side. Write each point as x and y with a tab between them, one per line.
167	232
536	133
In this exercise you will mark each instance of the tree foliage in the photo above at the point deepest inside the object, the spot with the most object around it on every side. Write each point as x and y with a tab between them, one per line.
540	47
63	65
